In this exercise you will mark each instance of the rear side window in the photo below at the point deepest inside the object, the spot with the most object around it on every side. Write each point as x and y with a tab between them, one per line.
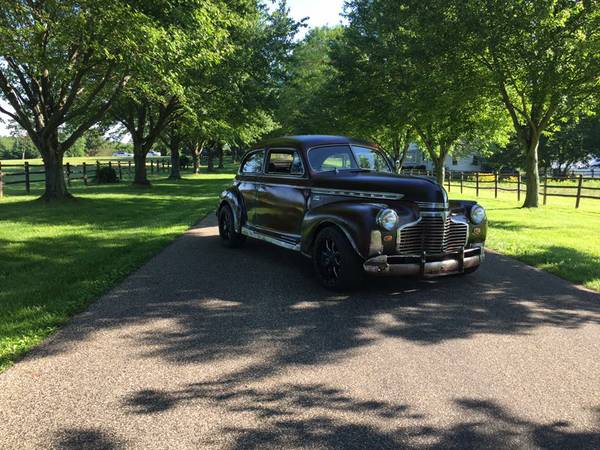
285	162
253	162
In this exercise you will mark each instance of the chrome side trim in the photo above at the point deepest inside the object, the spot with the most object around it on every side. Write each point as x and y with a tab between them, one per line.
359	194
270	239
270	230
295	186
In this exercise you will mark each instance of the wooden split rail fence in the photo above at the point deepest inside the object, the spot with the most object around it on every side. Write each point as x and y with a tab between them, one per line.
27	174
577	187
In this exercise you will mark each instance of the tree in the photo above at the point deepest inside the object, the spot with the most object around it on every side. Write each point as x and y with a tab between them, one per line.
186	38
232	102
63	63
544	59
95	142
305	106
407	74
575	142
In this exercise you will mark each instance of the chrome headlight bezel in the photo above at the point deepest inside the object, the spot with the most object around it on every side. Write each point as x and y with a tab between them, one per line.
477	214
387	219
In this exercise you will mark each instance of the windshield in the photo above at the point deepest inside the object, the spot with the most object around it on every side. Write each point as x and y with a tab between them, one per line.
345	157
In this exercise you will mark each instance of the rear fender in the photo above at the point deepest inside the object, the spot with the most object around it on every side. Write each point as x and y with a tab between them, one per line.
232	198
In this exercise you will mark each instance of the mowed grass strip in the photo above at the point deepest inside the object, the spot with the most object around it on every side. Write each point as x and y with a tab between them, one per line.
558	238
56	259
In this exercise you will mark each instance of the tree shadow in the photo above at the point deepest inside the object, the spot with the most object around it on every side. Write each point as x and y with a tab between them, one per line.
223	304
78	439
318	416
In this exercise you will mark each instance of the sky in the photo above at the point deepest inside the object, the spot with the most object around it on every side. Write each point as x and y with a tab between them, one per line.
319	13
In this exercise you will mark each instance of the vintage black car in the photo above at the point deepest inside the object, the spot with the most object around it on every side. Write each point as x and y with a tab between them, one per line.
338	201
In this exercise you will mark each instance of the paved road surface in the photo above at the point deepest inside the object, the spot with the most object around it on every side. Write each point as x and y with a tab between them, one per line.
241	349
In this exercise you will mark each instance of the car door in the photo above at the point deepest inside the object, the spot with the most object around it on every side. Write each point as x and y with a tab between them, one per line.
248	177
282	194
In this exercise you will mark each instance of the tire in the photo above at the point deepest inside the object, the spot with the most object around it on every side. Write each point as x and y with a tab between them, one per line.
229	237
336	264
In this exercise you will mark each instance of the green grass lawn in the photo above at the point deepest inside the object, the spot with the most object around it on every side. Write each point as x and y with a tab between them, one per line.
56	259
558	238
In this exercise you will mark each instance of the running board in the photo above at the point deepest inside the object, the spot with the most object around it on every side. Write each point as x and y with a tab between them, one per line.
270	239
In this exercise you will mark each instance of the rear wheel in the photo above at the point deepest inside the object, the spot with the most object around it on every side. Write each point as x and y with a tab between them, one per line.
336	264
229	237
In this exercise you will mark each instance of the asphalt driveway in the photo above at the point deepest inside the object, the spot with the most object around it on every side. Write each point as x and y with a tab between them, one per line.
240	349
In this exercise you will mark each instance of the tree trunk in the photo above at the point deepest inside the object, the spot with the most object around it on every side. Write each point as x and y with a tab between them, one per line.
211	155
56	189
221	156
440	171
139	157
531	144
196	153
396	153
196	159
175	160
403	156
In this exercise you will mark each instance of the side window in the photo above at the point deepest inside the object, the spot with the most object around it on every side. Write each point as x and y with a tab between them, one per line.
331	157
253	162
285	162
370	159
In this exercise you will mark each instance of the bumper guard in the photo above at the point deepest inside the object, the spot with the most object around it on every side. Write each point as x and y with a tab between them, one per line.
426	266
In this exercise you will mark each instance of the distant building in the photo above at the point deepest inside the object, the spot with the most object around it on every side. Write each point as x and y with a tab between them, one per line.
417	159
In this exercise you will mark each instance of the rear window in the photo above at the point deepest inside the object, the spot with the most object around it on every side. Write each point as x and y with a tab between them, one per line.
253	162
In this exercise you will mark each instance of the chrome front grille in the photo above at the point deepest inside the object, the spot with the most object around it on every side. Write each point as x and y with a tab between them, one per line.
432	234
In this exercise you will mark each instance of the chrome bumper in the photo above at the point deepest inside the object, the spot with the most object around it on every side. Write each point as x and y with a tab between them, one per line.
425	265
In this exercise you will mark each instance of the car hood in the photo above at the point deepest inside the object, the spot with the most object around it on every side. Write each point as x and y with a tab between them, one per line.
413	188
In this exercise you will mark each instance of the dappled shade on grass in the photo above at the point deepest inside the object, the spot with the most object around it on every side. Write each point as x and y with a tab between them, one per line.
56	259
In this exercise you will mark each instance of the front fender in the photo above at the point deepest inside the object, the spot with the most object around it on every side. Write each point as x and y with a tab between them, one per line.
356	220
477	233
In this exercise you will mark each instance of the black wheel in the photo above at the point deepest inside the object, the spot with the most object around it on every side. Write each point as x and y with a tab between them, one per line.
336	263
229	237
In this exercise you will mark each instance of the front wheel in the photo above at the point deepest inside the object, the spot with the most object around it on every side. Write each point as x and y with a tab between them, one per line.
229	237
336	264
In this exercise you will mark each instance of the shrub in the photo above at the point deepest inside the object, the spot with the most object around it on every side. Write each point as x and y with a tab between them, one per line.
106	174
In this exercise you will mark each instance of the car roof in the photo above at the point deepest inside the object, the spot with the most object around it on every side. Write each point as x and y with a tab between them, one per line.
307	141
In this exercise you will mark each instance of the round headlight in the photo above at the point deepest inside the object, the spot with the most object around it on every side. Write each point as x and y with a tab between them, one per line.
477	214
387	219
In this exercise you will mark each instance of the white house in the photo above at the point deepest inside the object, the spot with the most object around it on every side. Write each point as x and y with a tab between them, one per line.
416	158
